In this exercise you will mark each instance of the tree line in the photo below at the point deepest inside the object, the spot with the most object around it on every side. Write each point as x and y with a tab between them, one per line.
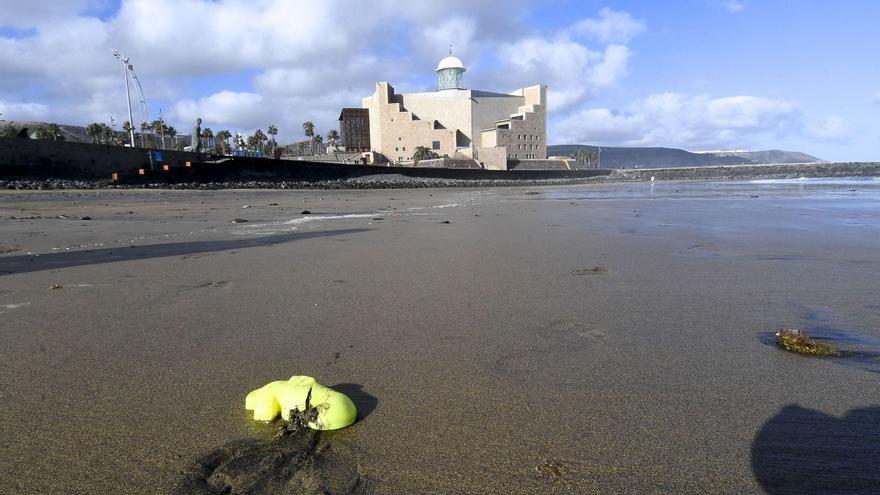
157	134
48	131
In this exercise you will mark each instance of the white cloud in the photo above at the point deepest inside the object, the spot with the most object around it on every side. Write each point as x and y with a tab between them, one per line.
23	111
611	27
248	63
611	67
831	128
571	70
459	31
225	108
734	6
673	119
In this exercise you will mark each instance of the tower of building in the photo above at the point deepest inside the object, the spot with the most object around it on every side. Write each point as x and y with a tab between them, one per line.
450	72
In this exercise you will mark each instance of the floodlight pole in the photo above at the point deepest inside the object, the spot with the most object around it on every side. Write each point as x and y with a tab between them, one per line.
124	61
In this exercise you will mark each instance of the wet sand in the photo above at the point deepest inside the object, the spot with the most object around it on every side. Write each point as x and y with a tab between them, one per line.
562	339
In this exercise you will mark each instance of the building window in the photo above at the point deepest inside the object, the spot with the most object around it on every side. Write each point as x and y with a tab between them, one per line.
435	145
395	149
403	149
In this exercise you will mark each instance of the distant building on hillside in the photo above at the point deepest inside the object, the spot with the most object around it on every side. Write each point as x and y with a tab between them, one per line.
454	122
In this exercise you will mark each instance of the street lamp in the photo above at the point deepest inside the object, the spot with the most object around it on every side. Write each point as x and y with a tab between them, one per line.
125	68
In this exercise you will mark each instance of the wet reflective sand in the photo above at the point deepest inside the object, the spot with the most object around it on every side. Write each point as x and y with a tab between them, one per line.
564	339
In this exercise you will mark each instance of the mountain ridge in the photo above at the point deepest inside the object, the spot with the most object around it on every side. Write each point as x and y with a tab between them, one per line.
654	157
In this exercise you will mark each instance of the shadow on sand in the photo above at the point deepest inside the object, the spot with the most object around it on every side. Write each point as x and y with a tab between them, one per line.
32	263
303	462
805	452
364	402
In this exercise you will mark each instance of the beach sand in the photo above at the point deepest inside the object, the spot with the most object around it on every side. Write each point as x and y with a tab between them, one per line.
564	339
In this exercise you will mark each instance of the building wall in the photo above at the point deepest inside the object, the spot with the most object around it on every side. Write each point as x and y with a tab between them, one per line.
354	129
451	107
441	115
490	109
491	158
526	134
395	134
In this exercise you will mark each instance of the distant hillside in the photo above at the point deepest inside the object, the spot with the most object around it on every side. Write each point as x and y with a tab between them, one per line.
769	156
71	133
76	133
619	157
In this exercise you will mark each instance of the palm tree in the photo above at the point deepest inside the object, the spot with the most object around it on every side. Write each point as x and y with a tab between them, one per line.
172	132
259	139
223	138
126	126
252	142
309	129
332	137
144	127
423	153
54	132
106	133
272	131
209	137
159	128
92	131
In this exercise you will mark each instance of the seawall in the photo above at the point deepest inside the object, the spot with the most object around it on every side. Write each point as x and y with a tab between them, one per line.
38	159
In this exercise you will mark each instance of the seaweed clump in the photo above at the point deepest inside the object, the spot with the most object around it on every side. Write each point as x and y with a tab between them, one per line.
794	340
299	420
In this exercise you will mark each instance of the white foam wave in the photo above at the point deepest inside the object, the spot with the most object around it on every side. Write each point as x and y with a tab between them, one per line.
315	218
13	306
829	181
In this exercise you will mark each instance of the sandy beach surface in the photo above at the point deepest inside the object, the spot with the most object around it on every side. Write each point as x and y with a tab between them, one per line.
607	338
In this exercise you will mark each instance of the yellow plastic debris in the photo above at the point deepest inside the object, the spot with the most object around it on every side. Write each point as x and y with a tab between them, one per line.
335	409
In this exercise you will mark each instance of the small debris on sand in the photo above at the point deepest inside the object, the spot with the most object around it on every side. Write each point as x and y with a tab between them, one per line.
239	220
553	470
86	218
305	212
445	221
55	286
590	271
794	340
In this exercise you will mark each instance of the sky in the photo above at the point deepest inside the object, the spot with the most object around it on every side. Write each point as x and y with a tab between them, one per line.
694	74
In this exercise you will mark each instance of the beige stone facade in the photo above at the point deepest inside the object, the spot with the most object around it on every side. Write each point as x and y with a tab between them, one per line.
489	128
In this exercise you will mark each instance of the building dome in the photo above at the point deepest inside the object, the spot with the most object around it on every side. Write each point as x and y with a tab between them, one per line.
450	62
449	73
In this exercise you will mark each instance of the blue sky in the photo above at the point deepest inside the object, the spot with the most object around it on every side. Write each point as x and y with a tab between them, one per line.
696	74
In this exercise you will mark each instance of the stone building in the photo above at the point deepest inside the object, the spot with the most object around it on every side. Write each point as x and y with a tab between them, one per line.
459	123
